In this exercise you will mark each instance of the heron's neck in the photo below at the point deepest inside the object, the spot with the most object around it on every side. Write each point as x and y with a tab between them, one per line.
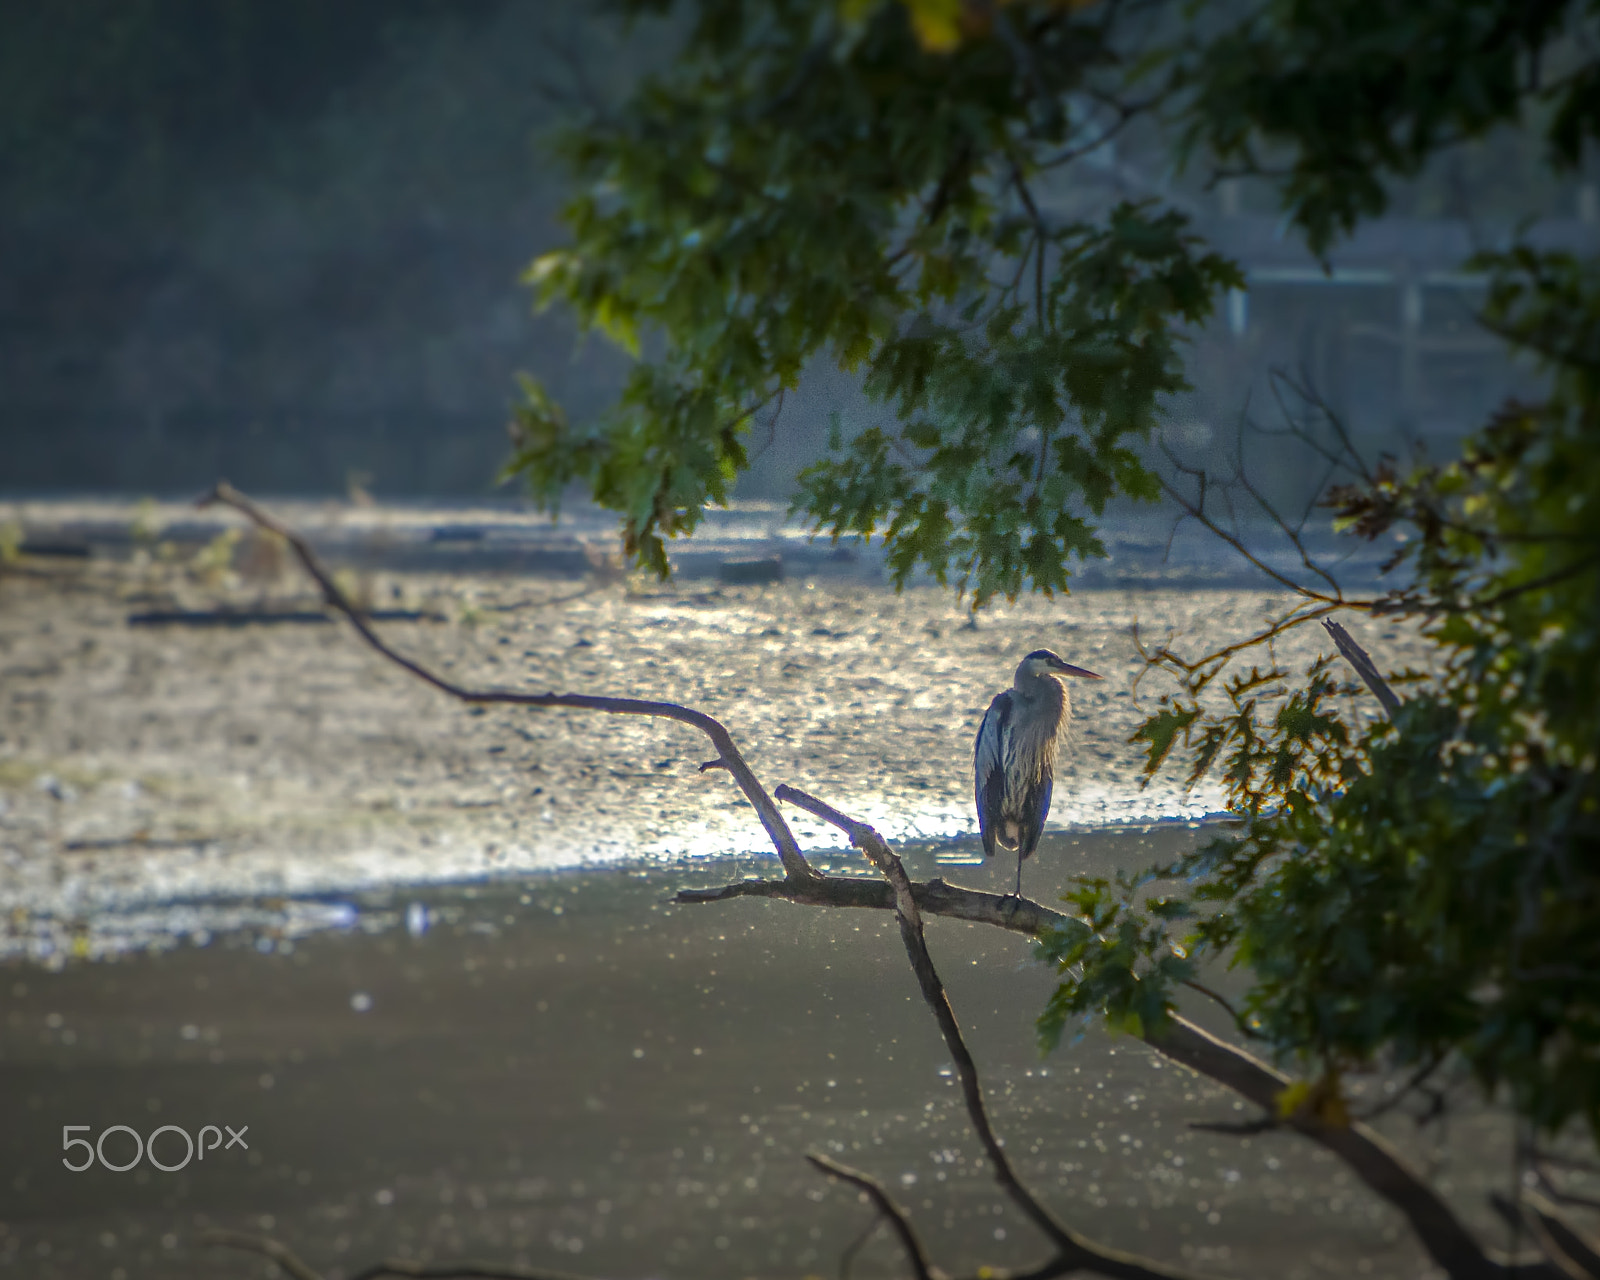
1041	690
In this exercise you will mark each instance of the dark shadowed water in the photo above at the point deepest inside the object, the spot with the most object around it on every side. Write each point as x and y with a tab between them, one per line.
565	1071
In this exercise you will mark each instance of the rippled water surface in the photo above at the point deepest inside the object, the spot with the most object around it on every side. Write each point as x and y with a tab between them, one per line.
139	765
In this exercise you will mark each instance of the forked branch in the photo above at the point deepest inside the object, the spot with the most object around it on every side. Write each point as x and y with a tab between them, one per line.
265	1246
885	1205
1195	509
934	897
794	863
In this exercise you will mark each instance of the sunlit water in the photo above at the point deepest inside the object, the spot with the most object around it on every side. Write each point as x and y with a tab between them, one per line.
143	767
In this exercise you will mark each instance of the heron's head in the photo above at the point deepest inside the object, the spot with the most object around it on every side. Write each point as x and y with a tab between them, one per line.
1041	662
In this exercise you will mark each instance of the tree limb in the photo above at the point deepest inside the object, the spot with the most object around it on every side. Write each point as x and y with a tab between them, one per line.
1239	1020
936	897
1236	1129
267	1247
794	862
1568	1252
909	1240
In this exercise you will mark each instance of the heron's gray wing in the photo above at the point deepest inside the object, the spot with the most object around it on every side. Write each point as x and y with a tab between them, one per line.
989	767
1035	809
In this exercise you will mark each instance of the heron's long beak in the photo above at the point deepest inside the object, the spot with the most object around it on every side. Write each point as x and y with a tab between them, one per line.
1067	669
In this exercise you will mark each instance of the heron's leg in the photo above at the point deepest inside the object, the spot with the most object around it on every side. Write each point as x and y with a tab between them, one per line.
1019	873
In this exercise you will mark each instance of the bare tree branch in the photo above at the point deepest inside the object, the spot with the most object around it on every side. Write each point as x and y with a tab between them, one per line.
1539	1164
1293	532
1567	1252
1579	1248
794	862
1195	509
1297	616
847	1257
1414	1085
267	1247
1560	1161
936	897
1239	1021
1358	658
909	1241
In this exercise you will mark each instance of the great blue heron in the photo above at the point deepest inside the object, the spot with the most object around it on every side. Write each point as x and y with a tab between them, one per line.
1014	760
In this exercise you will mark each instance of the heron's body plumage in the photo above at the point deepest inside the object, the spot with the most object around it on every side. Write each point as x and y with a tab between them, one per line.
1014	781
1014	757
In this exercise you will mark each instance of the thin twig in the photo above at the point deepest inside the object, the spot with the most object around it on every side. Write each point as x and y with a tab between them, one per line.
1197	512
1564	1162
267	1247
1295	617
1418	1078
1040	238
1242	478
1348	456
1548	1186
1238	1018
1569	1253
847	1256
909	1240
794	862
1027	66
1477	603
1538	1163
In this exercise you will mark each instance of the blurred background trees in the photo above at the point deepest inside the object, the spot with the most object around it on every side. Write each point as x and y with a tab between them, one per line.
283	243
280	240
